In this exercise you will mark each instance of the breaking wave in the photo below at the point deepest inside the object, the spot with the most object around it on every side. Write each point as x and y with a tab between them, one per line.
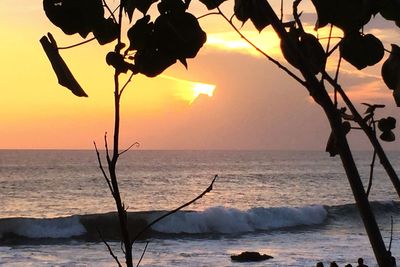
215	220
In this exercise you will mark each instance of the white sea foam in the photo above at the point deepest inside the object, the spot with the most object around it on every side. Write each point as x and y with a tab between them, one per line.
43	228
229	220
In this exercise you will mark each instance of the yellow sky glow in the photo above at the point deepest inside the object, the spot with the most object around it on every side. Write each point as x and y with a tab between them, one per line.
230	41
163	112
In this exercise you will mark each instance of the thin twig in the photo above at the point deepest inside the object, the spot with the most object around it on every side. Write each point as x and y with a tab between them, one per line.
109	10
141	257
296	15
129	148
279	65
102	169
329	38
371	171
391	233
208	14
332	37
336	80
209	188
106	146
126	84
333	49
109	249
78	44
368	131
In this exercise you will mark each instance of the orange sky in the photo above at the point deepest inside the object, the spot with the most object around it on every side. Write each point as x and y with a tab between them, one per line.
253	106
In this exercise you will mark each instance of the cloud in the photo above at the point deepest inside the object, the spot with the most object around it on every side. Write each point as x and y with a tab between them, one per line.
231	41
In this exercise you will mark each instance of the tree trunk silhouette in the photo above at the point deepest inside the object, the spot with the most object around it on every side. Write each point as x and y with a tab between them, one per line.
320	95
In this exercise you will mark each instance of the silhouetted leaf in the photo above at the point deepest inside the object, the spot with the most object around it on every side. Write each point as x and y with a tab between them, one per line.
129	8
184	62
64	75
361	51
152	62
243	10
144	5
179	35
396	96
255	10
389	9
211	4
74	16
259	15
140	34
313	52
388	136
288	54
106	31
391	69
331	146
309	46
349	15
171	6
387	124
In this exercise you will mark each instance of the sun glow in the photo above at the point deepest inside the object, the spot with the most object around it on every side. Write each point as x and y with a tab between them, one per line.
202	89
189	91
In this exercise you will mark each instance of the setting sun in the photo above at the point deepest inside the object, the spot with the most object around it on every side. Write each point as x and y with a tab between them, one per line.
202	88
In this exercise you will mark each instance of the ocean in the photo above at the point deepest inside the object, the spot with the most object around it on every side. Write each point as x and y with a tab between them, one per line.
293	205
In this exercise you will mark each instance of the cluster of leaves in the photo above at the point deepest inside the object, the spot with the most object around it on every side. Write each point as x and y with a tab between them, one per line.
154	45
385	125
309	46
174	35
359	49
82	17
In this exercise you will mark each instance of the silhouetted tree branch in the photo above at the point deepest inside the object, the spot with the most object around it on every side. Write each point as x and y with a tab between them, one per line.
279	65
208	189
143	252
109	249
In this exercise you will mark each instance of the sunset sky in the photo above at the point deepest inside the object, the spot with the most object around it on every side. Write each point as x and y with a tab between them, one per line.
229	98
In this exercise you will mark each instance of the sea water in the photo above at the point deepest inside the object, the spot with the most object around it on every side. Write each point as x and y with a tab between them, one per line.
295	206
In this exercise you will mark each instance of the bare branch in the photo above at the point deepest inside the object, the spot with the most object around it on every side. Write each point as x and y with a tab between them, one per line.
391	233
290	73
107	150
336	46
329	39
109	10
208	14
296	14
109	249
371	171
126	84
129	148
102	169
78	44
144	251
208	189
368	131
